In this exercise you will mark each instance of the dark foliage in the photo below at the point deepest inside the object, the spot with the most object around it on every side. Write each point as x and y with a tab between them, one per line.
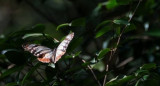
116	42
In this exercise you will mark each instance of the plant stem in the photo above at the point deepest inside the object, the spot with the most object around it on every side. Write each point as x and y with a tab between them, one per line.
94	75
118	41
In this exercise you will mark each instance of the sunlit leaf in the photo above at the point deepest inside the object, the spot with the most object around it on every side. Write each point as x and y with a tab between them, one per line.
63	25
32	35
120	82
124	22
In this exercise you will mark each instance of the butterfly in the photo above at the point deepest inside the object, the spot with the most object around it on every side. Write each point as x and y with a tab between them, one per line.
47	55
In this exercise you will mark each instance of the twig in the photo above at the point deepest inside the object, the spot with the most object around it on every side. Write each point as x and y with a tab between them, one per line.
118	41
94	75
107	67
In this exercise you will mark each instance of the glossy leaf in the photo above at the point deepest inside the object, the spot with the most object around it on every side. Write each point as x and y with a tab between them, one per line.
103	31
102	53
124	22
111	4
103	23
120	82
63	25
148	66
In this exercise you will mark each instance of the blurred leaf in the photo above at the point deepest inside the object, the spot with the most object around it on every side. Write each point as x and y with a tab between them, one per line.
118	31
130	28
148	66
50	73
63	25
103	31
75	43
96	10
15	56
102	53
79	22
77	53
10	71
123	2
124	22
103	23
154	32
30	73
12	84
140	73
32	35
111	4
100	66
120	82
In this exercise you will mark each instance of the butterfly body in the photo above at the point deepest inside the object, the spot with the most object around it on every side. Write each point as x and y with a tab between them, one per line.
47	55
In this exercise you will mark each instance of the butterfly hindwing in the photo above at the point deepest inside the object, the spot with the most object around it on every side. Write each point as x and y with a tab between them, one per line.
47	55
44	54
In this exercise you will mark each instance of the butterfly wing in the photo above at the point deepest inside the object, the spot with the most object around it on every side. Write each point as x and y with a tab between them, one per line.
44	54
61	49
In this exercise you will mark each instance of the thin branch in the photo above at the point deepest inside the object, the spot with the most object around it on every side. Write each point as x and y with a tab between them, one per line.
107	67
94	75
118	41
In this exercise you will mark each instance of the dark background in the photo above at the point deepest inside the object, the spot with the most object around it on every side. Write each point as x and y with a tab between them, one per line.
97	25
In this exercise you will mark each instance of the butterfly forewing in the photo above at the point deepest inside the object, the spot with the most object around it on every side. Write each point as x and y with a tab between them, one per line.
47	55
61	49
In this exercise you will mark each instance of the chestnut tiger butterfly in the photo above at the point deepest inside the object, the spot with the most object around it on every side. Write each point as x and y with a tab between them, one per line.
47	55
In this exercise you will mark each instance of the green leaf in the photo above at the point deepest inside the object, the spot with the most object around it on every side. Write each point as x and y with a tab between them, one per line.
148	66
10	71
155	32
102	53
103	23
120	82
96	10
124	22
74	44
118	31
103	31
14	54
123	2
30	73
12	84
32	35
63	25
99	66
77	53
130	28
79	22
111	4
